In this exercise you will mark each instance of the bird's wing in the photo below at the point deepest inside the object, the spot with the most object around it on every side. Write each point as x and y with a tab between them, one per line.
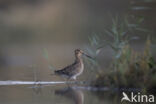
68	70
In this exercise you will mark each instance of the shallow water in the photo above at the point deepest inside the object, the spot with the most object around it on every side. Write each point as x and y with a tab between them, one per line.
71	92
51	94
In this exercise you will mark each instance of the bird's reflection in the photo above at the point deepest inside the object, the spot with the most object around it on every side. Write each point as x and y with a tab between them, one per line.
72	93
37	89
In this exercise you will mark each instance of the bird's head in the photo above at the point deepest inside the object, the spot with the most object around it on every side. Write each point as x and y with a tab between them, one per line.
79	53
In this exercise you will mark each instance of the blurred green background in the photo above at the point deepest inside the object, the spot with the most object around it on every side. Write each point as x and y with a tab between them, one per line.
27	27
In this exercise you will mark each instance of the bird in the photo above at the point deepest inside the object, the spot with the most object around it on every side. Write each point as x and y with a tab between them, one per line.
75	69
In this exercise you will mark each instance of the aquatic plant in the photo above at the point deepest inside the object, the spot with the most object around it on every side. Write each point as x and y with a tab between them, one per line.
117	37
135	69
46	56
129	68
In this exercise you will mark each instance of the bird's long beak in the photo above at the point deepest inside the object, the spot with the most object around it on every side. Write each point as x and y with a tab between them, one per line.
87	56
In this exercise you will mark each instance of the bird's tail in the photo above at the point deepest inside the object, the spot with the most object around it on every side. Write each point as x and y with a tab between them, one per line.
56	72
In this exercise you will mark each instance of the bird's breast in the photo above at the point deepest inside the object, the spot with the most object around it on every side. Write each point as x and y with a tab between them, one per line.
81	68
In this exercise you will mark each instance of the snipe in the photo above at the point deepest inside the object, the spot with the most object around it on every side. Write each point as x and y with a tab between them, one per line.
75	69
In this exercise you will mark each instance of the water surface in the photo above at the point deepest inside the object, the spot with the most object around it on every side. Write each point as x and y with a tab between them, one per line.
51	94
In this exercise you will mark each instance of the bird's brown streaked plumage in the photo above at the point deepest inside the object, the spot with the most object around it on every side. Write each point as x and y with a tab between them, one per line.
75	69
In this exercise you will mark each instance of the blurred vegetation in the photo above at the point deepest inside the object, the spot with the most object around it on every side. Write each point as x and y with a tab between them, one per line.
46	56
129	69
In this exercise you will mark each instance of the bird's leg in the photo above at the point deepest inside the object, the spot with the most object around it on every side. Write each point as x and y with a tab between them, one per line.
74	79
68	81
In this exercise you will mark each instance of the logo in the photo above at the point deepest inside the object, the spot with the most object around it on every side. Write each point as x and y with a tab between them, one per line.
137	98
